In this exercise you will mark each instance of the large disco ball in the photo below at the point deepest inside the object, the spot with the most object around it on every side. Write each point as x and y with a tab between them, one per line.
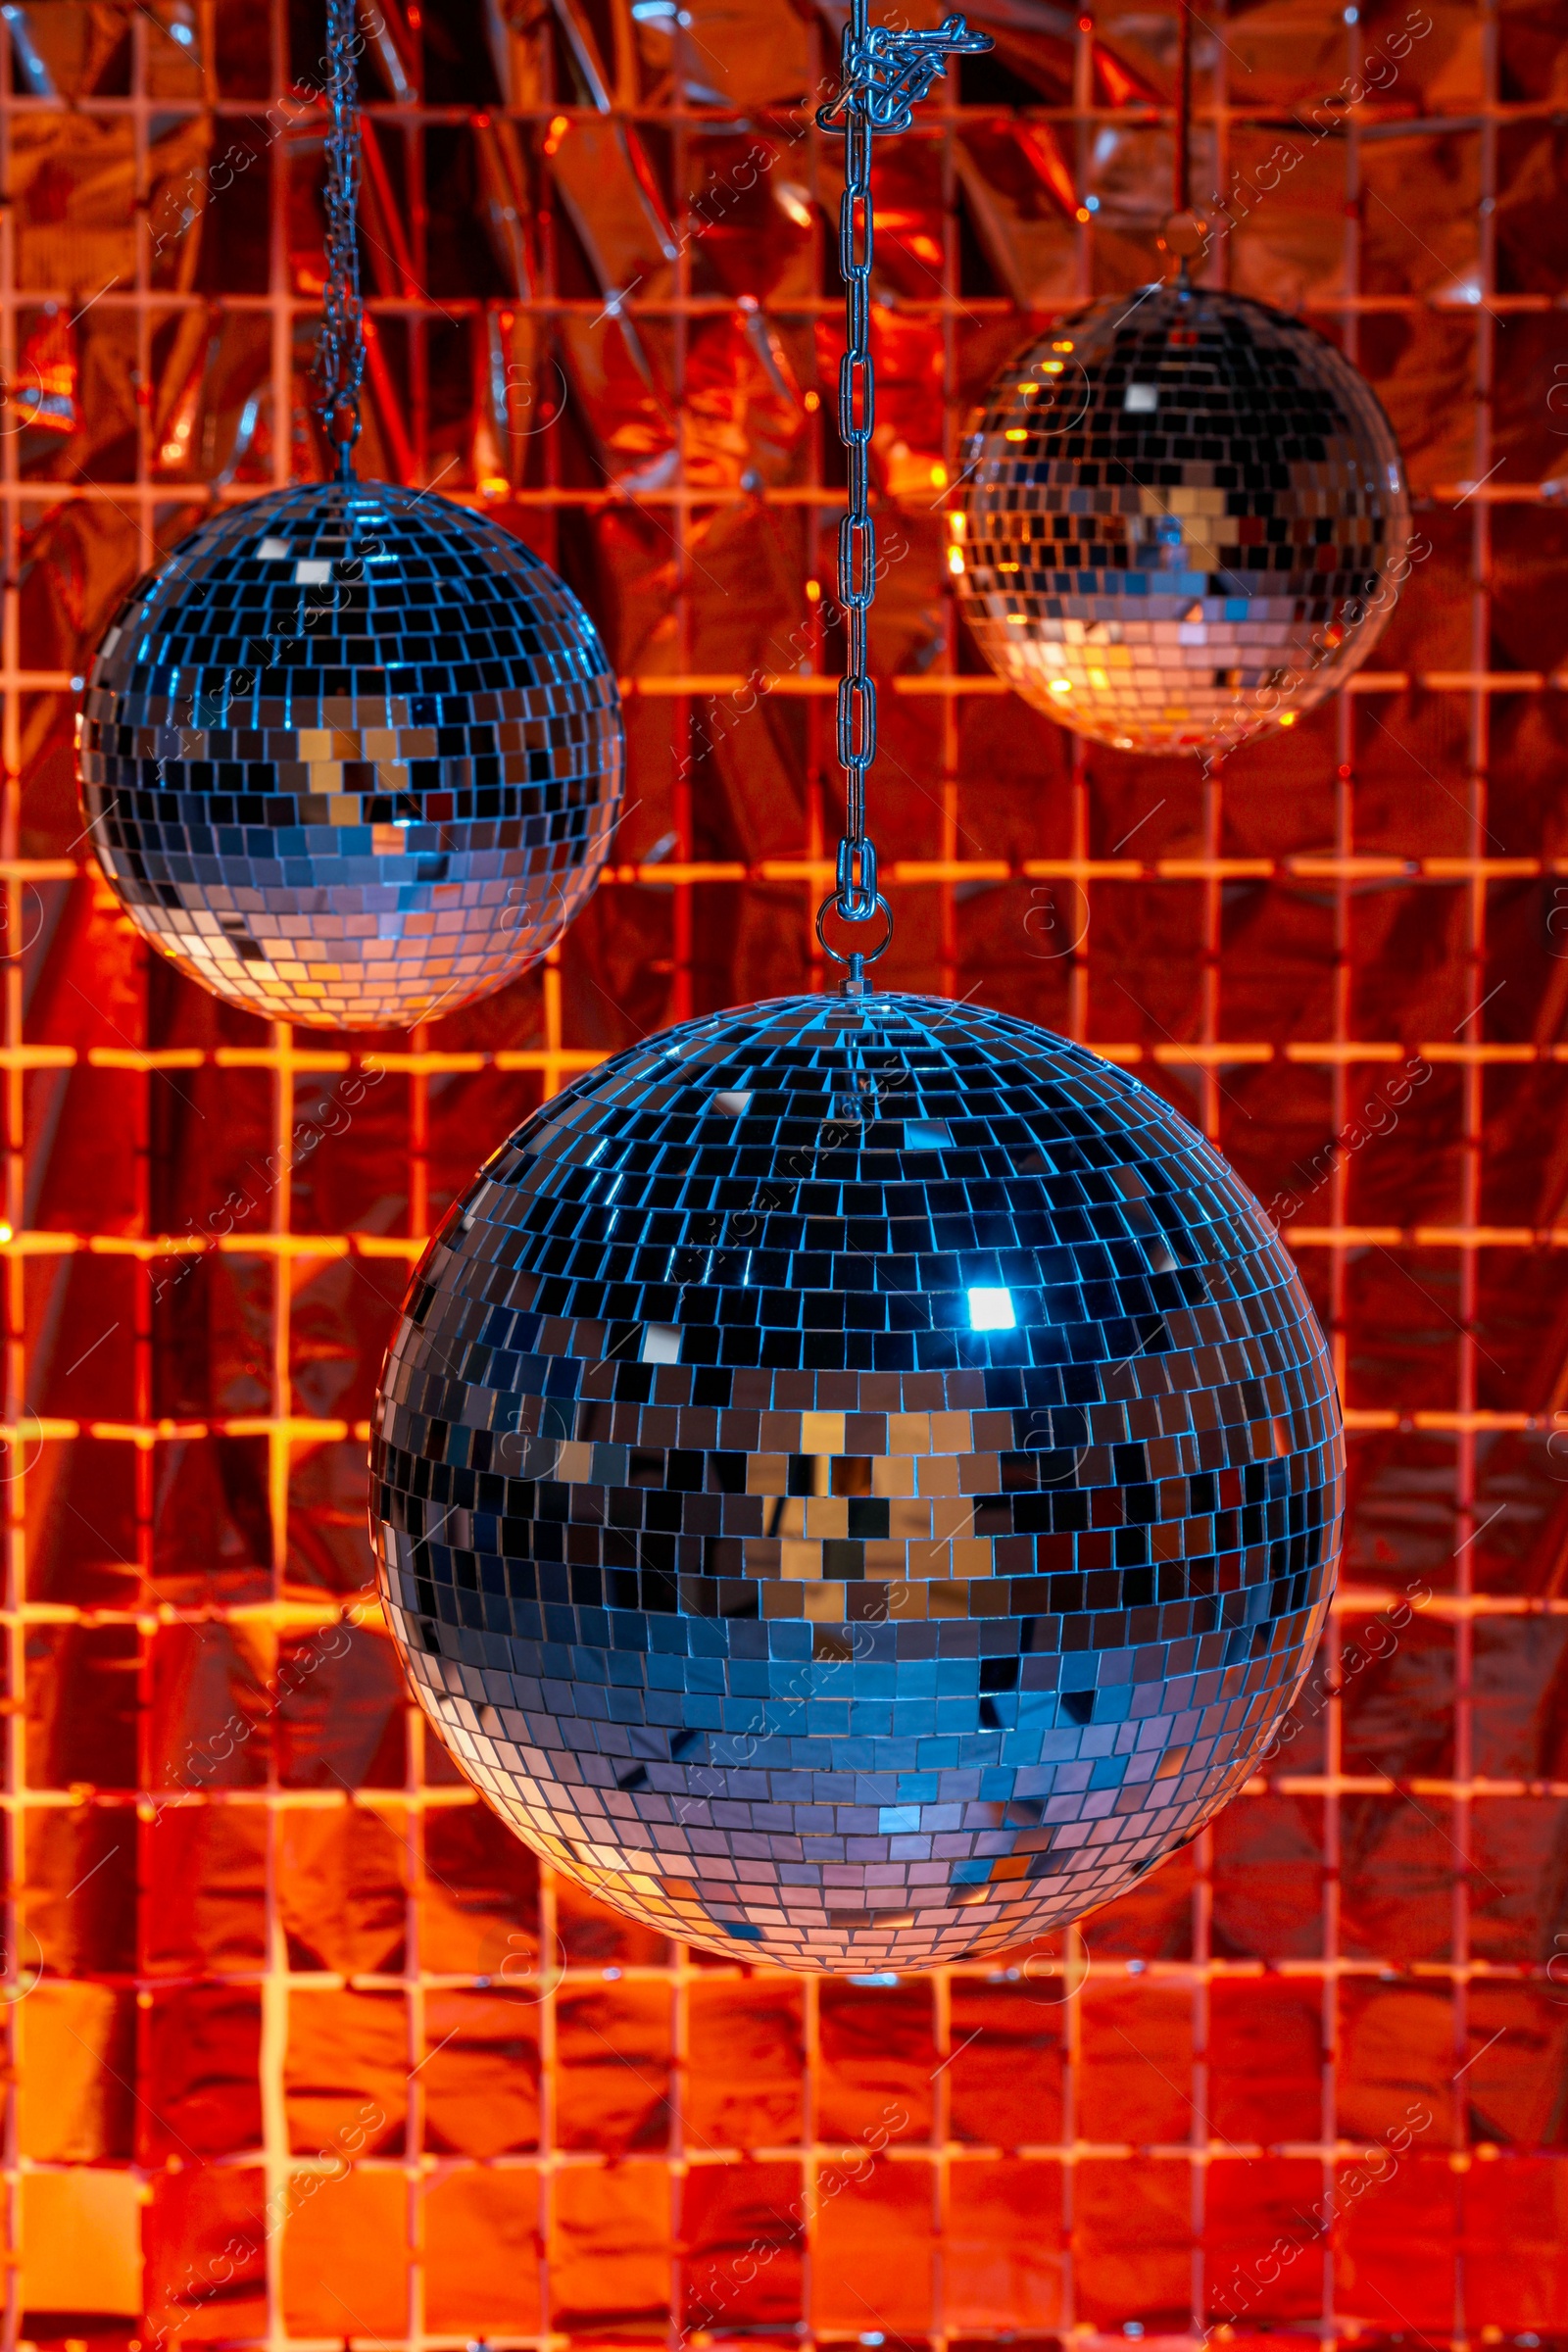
855	1479
1184	520
352	755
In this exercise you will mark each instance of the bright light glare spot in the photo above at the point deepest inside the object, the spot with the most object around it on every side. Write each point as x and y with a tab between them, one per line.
992	1310
1061	685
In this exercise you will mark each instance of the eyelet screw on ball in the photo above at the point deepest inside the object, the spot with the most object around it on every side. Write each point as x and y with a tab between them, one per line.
855	962
343	433
884	74
1185	235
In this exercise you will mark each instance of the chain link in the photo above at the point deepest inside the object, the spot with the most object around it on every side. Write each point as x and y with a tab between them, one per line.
339	365
857	705
885	73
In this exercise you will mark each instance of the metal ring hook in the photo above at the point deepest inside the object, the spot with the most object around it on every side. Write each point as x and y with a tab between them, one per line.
858	954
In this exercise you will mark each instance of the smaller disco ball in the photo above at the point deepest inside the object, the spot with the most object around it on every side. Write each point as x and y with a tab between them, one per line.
1185	521
352	757
856	1482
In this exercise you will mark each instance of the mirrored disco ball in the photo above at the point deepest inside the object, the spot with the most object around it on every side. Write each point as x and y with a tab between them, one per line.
857	1481
352	755
1186	521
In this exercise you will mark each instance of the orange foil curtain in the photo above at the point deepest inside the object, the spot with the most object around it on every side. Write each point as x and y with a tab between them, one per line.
303	2048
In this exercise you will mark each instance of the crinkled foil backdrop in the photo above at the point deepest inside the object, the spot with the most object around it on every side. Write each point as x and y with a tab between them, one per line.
303	2047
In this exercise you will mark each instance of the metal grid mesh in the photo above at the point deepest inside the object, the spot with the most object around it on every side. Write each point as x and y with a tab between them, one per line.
581	2131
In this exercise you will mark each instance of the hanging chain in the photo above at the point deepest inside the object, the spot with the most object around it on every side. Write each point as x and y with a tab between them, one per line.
886	72
856	895
339	366
1186	232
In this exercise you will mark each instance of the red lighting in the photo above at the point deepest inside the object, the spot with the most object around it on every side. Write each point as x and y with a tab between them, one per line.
310	2048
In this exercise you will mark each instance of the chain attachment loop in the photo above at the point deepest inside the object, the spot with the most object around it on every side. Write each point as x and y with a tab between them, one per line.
886	72
339	369
856	960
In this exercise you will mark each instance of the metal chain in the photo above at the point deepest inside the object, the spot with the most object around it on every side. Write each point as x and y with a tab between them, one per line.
339	366
856	895
884	74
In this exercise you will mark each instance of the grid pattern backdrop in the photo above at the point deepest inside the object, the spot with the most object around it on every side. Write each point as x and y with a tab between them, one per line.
303	2047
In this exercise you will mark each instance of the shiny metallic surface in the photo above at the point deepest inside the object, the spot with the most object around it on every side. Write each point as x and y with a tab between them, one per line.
352	757
339	365
1371	1922
1185	521
857	1479
886	72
